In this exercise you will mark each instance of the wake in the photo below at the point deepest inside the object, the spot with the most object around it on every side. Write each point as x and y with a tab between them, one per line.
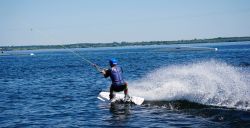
209	83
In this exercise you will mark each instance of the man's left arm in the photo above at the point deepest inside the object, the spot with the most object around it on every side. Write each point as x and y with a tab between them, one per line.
106	73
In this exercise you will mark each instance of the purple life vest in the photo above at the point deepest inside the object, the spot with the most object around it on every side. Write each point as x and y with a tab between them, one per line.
116	76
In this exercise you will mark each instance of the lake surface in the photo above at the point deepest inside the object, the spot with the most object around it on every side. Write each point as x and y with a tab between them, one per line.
191	85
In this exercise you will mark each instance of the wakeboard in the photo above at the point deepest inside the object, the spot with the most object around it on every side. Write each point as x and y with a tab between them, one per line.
119	97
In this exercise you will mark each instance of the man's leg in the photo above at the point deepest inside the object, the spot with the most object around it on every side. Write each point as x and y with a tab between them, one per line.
127	97
111	95
126	88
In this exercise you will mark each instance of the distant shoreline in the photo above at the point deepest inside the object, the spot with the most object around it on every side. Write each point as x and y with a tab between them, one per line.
120	44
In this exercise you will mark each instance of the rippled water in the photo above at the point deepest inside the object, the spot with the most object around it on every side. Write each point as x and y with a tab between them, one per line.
183	87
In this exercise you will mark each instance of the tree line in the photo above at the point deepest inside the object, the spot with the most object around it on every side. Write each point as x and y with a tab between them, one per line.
123	43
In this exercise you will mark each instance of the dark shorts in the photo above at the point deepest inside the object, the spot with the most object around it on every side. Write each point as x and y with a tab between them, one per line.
119	88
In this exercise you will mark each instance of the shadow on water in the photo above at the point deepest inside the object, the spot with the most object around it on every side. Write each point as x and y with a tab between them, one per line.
120	114
120	111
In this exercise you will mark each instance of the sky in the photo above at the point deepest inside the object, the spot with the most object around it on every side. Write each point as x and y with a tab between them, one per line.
49	22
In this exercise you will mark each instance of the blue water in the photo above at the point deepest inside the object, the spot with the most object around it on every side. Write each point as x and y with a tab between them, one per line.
182	87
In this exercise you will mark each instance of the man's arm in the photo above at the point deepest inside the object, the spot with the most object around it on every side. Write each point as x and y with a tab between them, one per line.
106	73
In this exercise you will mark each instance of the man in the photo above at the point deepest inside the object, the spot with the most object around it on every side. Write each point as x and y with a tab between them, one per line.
118	83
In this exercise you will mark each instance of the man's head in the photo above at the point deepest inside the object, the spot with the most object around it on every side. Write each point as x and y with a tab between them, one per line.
112	62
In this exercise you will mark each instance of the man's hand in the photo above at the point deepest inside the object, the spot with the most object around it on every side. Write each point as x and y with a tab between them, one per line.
103	72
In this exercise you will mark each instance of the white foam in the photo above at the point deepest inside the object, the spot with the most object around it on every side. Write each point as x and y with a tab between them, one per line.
210	82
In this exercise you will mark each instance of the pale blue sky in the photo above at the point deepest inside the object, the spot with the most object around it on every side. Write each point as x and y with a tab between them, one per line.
35	22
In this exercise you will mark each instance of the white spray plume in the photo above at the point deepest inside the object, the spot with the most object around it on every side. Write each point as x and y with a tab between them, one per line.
210	82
